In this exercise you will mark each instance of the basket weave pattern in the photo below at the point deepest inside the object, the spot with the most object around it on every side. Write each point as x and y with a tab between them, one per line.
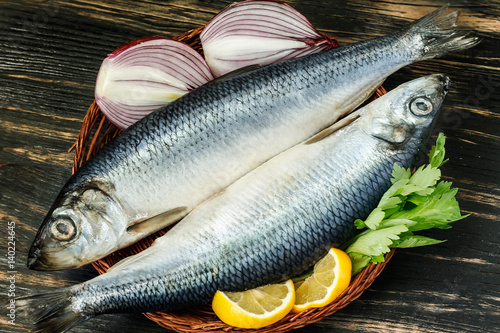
96	131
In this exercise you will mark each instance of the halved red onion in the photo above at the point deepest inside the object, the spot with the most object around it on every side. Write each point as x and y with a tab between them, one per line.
259	32
145	74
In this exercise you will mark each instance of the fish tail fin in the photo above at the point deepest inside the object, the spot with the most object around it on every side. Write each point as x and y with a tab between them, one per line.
437	34
50	311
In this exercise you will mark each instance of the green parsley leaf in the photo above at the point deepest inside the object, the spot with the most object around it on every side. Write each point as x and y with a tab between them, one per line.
437	152
397	221
421	181
374	219
359	261
400	173
411	240
413	203
360	224
436	212
376	242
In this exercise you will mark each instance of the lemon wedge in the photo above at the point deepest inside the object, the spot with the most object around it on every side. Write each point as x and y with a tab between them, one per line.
255	308
331	276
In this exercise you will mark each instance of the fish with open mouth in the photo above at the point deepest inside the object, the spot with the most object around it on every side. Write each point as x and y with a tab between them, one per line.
269	225
162	167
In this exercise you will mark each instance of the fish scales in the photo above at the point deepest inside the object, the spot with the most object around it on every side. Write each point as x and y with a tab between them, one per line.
287	239
291	209
196	136
179	156
271	224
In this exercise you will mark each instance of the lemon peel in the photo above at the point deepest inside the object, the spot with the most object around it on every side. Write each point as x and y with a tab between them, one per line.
331	276
255	308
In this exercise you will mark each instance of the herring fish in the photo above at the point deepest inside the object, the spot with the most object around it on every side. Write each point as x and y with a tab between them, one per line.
268	226
161	168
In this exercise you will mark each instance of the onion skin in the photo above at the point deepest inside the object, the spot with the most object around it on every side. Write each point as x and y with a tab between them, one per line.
259	32
145	74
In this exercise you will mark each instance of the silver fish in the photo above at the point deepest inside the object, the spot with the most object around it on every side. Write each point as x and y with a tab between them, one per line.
269	225
162	167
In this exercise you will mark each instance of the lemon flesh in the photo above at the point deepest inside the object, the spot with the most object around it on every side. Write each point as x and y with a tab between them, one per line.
331	276
255	308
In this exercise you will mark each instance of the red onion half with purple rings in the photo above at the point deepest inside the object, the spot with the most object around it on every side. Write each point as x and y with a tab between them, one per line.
145	74
259	32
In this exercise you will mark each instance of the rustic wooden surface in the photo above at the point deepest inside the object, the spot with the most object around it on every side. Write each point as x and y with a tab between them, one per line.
50	52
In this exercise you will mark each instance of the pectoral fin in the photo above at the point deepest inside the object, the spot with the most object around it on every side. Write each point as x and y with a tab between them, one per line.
158	222
122	263
333	128
362	96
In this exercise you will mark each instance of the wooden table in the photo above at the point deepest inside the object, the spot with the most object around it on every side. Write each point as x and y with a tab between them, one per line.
50	54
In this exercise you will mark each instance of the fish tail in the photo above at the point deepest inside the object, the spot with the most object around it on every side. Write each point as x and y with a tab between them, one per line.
52	311
438	35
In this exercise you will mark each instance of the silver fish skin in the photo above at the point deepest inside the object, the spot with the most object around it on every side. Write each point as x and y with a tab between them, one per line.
269	225
162	167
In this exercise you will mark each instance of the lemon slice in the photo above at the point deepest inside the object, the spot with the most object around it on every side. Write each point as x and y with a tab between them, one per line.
255	308
331	276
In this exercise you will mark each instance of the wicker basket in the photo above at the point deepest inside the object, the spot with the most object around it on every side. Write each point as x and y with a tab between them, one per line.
97	131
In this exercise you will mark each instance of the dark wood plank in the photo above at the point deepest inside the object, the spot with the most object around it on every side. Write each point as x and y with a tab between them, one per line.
50	54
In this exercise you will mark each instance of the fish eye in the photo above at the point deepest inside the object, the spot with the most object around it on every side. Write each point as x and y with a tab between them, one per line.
63	229
421	106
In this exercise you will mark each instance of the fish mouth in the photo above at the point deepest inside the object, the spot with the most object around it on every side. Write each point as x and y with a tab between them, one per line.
444	80
37	261
48	260
446	84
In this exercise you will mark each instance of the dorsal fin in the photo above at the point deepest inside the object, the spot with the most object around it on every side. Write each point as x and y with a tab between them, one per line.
333	128
122	263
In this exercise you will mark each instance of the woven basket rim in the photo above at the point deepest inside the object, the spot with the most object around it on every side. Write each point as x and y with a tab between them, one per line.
96	131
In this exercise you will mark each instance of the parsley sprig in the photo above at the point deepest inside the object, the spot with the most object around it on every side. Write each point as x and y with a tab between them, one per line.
413	203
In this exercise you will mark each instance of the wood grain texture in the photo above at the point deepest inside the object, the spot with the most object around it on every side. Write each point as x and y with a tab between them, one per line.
50	52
